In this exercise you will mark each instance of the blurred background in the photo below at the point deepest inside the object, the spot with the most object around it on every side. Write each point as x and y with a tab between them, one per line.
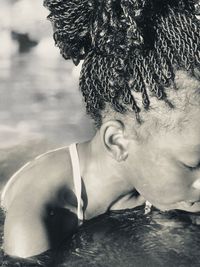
40	104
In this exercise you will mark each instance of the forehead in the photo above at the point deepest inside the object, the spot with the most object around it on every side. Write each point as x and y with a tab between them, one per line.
187	109
182	122
182	140
188	88
184	93
184	88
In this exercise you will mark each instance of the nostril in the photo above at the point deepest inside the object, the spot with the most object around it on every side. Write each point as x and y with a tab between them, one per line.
196	184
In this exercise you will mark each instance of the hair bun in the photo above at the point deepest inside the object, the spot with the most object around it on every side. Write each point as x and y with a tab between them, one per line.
106	26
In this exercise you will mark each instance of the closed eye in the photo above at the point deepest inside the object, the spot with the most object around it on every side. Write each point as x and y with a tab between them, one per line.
192	168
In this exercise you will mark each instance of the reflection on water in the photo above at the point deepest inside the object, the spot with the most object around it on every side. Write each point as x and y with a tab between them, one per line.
42	97
40	104
40	107
127	239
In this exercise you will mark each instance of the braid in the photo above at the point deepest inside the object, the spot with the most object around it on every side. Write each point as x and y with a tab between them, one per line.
127	47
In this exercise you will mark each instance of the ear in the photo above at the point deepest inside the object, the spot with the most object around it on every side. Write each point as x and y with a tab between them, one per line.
114	139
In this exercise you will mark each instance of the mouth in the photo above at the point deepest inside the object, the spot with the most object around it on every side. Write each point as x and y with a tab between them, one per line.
191	206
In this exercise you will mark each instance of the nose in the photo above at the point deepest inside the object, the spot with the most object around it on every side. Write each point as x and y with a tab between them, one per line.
196	184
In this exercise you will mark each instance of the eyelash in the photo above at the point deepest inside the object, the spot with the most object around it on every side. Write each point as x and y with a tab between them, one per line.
192	168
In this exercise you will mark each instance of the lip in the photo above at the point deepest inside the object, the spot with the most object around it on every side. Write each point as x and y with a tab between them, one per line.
195	203
191	206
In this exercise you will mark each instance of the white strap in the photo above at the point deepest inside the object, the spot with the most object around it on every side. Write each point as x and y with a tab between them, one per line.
76	178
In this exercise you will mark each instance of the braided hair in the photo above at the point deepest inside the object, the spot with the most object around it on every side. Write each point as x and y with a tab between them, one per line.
127	46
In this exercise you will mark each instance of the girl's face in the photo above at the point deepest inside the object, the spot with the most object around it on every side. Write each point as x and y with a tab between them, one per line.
168	165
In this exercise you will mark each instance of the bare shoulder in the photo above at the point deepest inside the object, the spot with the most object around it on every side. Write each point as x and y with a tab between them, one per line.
40	205
43	177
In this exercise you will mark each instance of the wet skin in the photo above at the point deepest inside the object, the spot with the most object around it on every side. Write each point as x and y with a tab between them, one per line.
169	169
168	163
118	170
164	166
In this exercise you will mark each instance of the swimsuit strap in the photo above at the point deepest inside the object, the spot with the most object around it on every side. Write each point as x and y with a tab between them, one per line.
77	179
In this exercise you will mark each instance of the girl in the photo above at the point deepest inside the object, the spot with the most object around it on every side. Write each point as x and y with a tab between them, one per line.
140	80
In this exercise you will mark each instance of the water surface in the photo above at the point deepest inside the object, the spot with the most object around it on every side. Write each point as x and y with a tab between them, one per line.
127	238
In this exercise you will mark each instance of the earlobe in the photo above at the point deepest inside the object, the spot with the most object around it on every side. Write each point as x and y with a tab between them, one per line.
115	140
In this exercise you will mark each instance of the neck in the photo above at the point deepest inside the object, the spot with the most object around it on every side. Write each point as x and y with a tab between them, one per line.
105	179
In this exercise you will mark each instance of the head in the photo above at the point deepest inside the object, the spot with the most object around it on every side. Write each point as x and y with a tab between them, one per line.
140	80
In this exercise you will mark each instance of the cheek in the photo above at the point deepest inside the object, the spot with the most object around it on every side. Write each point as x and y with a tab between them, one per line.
164	184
